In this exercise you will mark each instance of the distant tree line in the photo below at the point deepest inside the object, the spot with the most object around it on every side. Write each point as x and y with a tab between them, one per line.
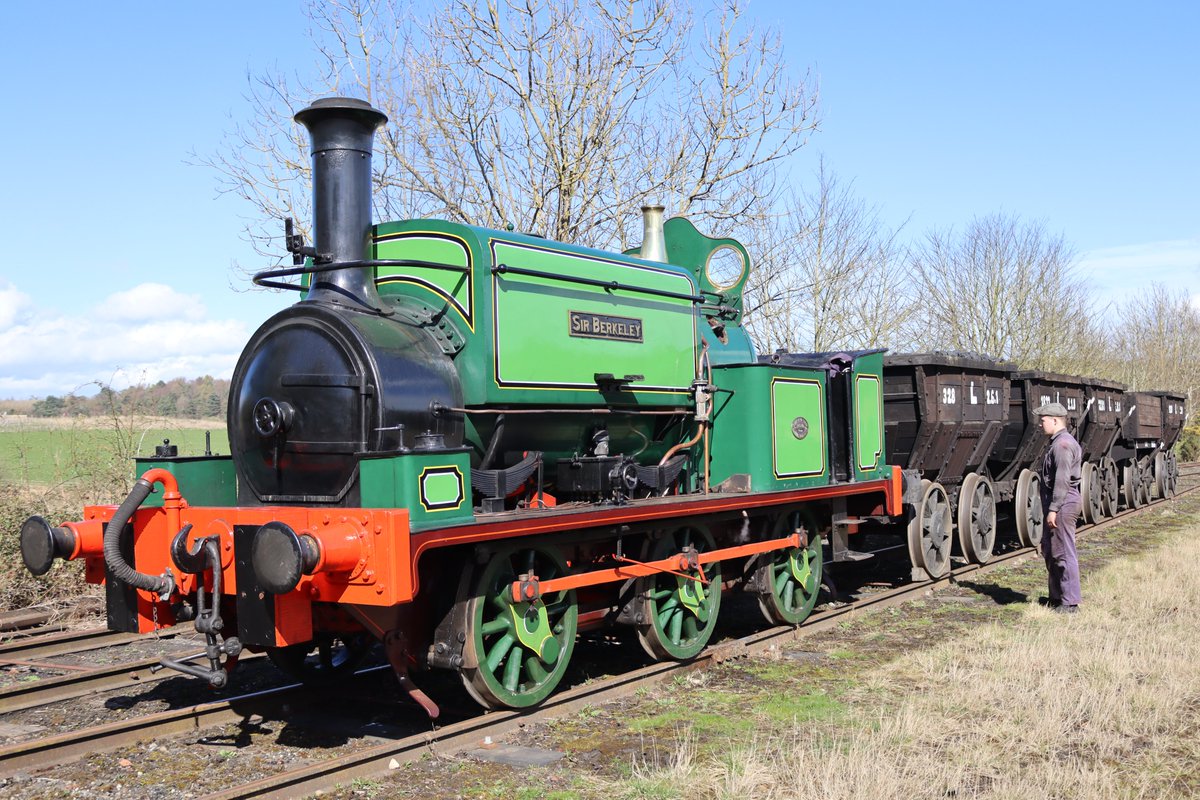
195	398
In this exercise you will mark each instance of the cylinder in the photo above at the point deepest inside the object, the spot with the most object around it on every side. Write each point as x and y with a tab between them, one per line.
342	130
654	246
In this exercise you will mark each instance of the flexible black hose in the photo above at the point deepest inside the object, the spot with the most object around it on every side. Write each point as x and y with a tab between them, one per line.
162	585
497	434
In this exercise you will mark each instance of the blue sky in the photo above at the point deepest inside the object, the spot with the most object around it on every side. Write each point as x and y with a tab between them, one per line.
120	255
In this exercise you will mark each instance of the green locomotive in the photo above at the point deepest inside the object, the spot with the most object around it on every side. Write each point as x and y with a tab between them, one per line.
471	444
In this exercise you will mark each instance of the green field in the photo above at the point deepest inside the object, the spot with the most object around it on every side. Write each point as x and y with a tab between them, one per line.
40	453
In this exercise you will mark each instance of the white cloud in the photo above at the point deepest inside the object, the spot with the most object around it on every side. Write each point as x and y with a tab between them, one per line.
1117	273
148	333
13	303
152	301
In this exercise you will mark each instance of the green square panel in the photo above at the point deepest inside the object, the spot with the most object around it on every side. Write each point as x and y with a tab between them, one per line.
797	427
770	424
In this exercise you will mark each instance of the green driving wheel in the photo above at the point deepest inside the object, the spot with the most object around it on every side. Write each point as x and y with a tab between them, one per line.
516	652
680	610
788	581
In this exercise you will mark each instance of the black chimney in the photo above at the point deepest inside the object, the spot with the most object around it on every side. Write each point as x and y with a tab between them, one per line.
342	131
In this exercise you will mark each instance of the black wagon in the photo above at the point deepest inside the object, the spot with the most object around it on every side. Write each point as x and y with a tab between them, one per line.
1099	427
1023	443
945	416
1151	427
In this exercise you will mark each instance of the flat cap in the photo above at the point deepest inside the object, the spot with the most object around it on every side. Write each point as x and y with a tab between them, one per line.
1051	410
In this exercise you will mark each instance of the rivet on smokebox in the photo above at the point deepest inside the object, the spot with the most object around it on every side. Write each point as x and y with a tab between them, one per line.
379	588
313	591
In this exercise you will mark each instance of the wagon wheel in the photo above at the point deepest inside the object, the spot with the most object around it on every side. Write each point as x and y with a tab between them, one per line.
1172	473
516	652
929	530
680	612
1109	480
1160	475
977	518
1131	485
325	661
1027	509
788	581
1145	482
1091	493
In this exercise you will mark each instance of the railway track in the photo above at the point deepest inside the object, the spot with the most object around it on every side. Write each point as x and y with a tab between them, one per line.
23	620
39	652
375	760
379	760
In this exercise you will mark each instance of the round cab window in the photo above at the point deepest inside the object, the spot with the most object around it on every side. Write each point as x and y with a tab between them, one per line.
725	267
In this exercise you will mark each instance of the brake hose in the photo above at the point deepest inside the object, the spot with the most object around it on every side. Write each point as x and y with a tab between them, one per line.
162	585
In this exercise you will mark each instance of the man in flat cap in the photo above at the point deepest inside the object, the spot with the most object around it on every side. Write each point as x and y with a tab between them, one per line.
1061	504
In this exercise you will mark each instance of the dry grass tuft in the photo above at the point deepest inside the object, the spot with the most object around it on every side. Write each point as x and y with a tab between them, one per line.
1103	704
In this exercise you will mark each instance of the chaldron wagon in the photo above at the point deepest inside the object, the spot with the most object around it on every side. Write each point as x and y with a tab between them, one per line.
1150	426
1098	429
946	415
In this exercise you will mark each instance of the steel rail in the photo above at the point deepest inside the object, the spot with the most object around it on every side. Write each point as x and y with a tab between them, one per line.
23	696
68	642
73	745
20	620
378	760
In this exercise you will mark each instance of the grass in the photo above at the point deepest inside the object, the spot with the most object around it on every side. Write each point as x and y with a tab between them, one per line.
53	468
74	451
1104	704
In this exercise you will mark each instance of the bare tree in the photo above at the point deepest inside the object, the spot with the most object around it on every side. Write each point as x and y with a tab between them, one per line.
558	116
1006	288
829	276
1153	339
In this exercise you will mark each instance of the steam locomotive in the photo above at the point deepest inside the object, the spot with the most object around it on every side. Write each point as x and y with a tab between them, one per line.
472	444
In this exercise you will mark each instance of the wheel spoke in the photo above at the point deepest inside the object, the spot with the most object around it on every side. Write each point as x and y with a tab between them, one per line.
535	670
498	625
500	650
676	626
782	581
789	596
512	670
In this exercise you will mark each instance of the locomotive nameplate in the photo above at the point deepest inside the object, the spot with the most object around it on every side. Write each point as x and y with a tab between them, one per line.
603	326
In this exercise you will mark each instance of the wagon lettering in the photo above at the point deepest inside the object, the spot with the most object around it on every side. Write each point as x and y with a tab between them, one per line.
972	395
992	397
949	395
